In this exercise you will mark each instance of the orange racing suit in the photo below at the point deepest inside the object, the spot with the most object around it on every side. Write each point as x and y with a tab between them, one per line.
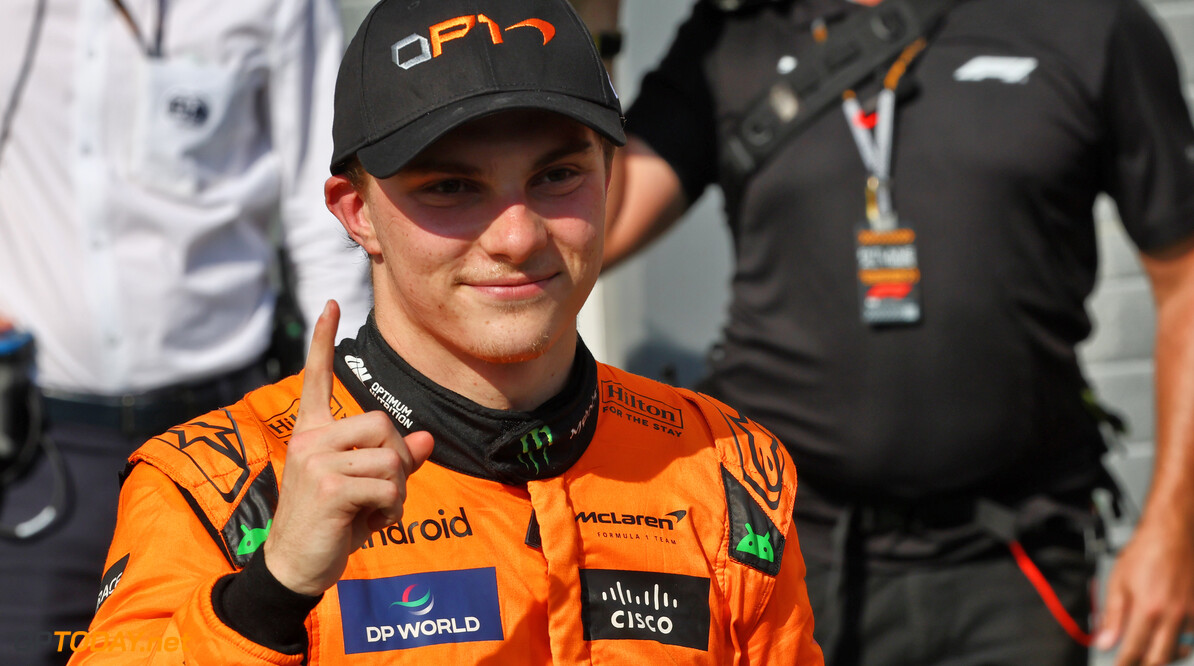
625	521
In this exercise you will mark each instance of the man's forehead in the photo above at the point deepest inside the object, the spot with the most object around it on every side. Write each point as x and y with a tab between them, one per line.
543	132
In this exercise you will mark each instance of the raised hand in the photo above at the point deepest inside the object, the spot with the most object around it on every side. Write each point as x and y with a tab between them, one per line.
342	479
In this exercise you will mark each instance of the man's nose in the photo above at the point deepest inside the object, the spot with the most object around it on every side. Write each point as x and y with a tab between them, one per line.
516	234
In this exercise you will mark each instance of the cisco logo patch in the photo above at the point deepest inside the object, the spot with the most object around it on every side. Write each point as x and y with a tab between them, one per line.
638	605
420	609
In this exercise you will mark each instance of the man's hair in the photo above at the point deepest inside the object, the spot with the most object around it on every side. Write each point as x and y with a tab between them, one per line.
353	171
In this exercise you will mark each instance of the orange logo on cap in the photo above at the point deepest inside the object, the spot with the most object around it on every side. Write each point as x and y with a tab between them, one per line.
455	28
544	27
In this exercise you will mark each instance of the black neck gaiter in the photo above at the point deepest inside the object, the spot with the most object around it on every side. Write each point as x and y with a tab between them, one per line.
505	446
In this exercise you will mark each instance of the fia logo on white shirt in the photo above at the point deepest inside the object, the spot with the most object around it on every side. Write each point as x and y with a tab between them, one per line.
1008	69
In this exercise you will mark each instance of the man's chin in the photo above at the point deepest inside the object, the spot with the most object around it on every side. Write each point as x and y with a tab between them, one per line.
505	349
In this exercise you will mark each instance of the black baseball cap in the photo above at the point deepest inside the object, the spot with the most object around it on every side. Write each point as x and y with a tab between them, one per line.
417	69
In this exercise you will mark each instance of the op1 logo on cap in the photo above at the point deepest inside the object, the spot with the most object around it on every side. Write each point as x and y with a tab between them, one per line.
416	70
445	31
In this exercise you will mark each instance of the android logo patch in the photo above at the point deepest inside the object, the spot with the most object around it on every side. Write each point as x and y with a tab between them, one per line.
758	545
755	540
253	538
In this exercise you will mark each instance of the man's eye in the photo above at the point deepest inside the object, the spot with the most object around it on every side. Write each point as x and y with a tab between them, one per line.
559	175
447	187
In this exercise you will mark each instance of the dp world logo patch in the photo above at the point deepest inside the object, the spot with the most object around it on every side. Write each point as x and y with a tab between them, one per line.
640	605
420	609
415	604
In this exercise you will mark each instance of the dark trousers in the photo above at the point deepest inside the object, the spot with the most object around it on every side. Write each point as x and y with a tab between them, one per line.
977	613
49	583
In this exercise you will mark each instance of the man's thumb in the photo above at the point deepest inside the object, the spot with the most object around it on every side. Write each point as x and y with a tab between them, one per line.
420	444
1111	623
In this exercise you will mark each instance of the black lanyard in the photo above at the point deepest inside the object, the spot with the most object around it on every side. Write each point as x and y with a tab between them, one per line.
152	49
874	133
888	267
874	147
14	99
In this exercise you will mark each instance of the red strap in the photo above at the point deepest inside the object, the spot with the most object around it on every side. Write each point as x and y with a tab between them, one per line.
1043	588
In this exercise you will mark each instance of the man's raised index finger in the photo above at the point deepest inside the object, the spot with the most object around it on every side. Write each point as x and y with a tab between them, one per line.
314	406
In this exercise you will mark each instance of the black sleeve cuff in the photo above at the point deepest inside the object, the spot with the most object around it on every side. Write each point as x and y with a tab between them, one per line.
255	605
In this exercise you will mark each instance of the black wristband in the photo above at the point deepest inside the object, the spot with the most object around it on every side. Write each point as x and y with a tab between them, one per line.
255	605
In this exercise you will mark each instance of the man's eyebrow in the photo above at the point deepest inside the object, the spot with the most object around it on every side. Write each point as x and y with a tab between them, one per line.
577	147
433	165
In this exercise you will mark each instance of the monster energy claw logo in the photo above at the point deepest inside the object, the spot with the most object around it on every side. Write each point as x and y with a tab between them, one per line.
541	437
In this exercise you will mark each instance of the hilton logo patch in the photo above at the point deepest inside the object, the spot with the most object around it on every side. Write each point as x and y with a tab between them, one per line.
643	410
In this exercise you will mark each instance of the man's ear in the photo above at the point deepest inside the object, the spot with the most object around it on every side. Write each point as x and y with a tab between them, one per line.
349	206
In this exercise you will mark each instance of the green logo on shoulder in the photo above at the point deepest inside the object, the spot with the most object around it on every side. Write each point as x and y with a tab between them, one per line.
253	538
755	540
758	545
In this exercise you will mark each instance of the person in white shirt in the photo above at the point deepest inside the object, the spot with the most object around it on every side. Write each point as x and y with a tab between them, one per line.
146	149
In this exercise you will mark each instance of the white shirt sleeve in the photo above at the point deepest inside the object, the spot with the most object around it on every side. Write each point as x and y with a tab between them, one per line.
307	49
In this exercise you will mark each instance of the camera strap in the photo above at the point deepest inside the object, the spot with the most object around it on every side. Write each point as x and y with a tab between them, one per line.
857	48
36	443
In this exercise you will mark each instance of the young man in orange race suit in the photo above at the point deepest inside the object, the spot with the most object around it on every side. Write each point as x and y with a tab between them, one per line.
463	482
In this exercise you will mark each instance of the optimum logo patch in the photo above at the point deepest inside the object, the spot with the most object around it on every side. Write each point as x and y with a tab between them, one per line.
398	410
637	605
420	609
358	367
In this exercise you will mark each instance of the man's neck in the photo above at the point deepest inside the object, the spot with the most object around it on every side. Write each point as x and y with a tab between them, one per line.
520	386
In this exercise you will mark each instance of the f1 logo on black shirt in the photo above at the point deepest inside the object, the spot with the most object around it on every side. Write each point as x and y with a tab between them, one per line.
641	605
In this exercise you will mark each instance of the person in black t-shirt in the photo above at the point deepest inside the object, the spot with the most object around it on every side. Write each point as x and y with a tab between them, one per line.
906	307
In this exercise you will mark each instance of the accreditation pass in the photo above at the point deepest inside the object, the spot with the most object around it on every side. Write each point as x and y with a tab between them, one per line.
888	276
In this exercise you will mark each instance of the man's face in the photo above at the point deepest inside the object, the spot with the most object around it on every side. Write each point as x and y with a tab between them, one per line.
490	240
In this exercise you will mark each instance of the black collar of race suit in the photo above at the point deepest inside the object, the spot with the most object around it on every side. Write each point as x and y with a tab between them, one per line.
505	446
